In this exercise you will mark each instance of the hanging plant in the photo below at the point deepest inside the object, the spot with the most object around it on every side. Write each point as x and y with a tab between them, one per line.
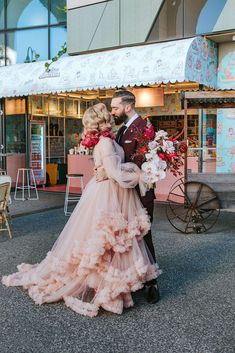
61	52
36	56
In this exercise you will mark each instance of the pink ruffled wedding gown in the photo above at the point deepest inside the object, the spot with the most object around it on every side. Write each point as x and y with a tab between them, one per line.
100	257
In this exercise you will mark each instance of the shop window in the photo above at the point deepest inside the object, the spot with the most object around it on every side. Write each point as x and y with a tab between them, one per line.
58	11
184	18
169	23
28	13
73	131
15	126
201	16
58	36
2	12
23	45
15	134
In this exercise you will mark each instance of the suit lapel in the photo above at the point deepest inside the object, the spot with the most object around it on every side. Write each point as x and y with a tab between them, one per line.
128	135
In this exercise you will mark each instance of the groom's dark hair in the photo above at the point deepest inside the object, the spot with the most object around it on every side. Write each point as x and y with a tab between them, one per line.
126	96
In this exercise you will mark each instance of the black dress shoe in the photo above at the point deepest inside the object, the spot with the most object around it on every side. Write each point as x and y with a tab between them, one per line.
152	294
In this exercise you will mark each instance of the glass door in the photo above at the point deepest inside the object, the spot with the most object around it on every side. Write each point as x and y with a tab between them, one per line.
38	150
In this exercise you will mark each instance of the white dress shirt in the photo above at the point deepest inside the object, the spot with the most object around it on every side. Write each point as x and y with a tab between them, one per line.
135	116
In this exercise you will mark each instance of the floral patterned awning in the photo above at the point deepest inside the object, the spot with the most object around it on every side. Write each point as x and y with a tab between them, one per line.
193	59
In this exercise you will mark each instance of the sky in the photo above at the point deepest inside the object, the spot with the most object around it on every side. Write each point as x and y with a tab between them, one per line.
36	14
207	23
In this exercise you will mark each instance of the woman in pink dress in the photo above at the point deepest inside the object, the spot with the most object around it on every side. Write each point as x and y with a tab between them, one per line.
100	257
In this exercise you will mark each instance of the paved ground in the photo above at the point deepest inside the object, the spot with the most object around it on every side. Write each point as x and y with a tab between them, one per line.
194	315
47	200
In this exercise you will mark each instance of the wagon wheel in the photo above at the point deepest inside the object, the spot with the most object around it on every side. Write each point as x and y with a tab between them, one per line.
192	206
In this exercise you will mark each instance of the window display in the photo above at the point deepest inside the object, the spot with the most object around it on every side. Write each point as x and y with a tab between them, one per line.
15	134
63	123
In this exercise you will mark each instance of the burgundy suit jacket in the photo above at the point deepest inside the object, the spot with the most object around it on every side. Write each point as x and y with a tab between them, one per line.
129	145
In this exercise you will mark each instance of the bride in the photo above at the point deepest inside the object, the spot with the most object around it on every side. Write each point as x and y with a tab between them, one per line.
100	257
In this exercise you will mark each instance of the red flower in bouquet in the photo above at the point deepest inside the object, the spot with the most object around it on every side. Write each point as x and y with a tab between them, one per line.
149	131
159	153
162	156
142	140
142	150
183	147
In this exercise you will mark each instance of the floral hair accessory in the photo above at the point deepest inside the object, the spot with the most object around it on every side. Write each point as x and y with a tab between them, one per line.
92	137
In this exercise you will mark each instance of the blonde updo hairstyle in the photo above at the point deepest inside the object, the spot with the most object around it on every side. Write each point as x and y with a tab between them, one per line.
97	118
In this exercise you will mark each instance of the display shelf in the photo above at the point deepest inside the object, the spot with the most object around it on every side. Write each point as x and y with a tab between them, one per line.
63	123
40	114
173	124
38	105
56	157
55	137
72	108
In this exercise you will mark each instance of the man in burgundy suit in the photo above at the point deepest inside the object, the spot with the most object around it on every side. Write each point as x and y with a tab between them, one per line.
123	111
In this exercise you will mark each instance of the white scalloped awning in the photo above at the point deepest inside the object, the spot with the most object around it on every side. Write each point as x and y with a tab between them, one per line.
193	59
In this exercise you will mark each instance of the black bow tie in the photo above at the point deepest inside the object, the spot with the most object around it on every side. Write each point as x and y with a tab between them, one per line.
120	133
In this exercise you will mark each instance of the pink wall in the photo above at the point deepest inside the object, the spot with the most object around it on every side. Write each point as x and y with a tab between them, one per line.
14	162
78	164
163	186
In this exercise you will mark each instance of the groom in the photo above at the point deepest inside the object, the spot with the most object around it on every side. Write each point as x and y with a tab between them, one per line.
123	111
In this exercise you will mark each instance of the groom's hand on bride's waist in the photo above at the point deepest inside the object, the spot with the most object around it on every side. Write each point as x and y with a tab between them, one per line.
100	174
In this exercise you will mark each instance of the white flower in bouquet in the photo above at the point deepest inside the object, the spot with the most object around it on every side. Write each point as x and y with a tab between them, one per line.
150	155
153	145
159	153
161	134
154	170
168	146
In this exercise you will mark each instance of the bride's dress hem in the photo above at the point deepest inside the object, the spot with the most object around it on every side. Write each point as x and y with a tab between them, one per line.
97	266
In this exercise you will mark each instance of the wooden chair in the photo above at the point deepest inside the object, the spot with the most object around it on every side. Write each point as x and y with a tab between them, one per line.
5	188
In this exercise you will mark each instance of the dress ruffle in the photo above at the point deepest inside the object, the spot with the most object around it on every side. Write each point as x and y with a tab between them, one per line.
97	261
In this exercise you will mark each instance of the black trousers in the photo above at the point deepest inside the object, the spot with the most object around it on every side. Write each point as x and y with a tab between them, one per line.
148	203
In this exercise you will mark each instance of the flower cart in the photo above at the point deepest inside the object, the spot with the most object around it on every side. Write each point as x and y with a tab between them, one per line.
195	200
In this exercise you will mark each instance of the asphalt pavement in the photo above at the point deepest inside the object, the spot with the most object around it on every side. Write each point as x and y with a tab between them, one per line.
195	313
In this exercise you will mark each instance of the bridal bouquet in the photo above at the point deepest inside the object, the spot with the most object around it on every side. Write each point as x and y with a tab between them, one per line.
159	152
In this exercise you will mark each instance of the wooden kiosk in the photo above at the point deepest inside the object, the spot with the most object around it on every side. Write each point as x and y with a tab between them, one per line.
194	201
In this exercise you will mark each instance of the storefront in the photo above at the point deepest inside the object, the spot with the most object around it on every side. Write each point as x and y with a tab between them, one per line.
59	97
60	119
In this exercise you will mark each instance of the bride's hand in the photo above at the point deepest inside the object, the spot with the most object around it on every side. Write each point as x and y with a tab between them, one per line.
100	174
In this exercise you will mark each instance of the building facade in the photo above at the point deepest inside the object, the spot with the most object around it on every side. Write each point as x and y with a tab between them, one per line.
31	27
166	45
103	25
